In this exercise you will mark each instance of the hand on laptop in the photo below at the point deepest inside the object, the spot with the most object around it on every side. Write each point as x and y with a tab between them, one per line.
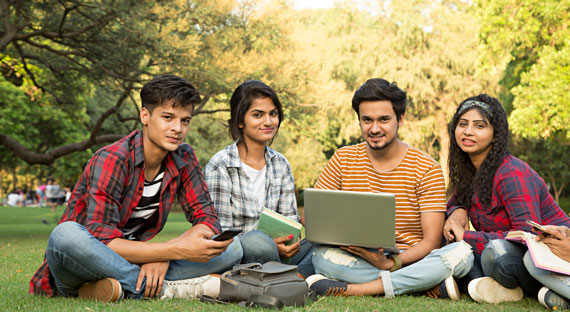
377	259
287	251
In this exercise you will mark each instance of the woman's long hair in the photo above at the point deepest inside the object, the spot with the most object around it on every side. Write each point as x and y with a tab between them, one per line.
464	179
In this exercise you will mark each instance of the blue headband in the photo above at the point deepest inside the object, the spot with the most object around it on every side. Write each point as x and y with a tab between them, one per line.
471	103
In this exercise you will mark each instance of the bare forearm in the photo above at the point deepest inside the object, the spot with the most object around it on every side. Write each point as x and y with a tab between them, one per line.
418	251
141	252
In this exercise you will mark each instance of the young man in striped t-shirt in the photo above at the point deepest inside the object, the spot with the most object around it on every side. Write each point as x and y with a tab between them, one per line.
383	163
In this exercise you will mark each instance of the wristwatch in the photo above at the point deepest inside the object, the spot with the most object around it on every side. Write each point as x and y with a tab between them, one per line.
397	262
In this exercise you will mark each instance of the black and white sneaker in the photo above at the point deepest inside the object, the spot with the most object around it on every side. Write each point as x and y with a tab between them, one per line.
552	300
323	286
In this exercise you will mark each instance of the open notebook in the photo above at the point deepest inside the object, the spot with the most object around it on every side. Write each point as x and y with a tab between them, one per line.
541	255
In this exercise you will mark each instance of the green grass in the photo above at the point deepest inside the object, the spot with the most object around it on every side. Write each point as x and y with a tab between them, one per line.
23	238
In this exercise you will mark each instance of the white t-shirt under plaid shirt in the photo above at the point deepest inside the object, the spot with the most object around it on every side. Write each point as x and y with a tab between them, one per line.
232	193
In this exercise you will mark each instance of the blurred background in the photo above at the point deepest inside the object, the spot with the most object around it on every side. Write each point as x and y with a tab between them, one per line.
71	73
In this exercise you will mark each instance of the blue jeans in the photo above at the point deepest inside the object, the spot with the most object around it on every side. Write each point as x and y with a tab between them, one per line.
260	247
76	257
503	261
454	259
557	282
42	197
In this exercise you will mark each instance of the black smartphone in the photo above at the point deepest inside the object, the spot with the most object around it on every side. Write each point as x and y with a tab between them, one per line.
225	235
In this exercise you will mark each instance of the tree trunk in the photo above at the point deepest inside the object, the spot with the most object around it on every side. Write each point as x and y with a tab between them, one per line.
14	179
557	190
444	146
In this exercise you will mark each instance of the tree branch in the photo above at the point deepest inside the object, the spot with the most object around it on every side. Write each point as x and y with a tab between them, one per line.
110	111
49	157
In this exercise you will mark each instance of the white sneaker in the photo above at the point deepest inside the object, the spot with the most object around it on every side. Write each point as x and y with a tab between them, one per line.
487	290
191	288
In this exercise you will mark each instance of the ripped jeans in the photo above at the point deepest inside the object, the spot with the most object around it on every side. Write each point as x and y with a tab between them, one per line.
557	282
454	259
503	261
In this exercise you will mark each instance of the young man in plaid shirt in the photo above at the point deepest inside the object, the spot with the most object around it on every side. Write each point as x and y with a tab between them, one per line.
122	200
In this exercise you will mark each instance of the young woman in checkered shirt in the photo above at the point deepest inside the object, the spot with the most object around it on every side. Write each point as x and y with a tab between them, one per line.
248	176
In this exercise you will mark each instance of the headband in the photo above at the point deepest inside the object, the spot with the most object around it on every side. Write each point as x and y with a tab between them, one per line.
471	103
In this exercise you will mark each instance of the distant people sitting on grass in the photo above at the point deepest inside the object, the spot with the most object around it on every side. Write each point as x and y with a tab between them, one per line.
123	199
248	176
15	198
498	193
31	197
383	163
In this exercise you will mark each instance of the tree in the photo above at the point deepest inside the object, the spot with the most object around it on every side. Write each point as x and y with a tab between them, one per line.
57	53
549	158
531	40
428	48
66	54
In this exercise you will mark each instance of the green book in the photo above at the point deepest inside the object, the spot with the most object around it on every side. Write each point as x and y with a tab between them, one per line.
276	225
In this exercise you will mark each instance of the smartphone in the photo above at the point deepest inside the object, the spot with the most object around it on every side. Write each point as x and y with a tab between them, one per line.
535	225
225	235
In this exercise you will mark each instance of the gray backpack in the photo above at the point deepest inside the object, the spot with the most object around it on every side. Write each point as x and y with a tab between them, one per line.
272	284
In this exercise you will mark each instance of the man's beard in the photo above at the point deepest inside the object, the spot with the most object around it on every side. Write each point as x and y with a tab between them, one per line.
385	145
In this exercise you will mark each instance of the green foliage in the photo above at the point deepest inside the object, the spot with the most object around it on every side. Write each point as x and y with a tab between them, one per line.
549	158
541	108
531	39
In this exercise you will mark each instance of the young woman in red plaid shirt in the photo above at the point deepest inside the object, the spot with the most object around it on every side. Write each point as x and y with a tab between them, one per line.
497	192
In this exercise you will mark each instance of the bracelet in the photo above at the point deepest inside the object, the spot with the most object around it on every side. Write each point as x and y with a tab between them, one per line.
397	262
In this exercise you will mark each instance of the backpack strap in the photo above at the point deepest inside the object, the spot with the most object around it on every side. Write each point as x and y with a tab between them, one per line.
262	301
238	267
211	300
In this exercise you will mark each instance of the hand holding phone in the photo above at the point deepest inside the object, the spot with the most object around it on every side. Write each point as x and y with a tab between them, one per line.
225	235
535	225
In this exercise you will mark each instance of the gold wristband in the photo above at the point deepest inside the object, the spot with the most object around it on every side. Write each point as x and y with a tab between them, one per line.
397	262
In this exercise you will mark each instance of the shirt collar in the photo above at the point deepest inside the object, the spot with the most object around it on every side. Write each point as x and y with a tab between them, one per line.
234	160
171	157
138	146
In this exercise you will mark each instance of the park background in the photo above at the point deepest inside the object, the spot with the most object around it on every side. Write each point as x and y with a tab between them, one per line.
71	71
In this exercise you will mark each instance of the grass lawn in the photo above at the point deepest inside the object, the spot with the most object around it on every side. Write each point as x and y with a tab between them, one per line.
23	238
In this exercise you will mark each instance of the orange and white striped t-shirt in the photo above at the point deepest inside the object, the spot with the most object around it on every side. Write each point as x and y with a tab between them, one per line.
417	182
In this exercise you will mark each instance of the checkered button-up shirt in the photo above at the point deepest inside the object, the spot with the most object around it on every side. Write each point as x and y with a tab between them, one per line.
519	193
112	185
233	196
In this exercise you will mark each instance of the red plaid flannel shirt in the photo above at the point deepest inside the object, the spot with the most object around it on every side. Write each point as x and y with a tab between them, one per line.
519	193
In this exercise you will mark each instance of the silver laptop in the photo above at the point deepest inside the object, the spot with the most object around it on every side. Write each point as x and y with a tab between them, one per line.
345	218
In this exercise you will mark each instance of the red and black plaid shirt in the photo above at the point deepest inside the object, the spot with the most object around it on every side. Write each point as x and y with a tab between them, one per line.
112	184
519	193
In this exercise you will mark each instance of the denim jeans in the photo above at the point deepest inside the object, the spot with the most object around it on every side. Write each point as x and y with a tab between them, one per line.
557	282
260	247
75	257
454	259
503	261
